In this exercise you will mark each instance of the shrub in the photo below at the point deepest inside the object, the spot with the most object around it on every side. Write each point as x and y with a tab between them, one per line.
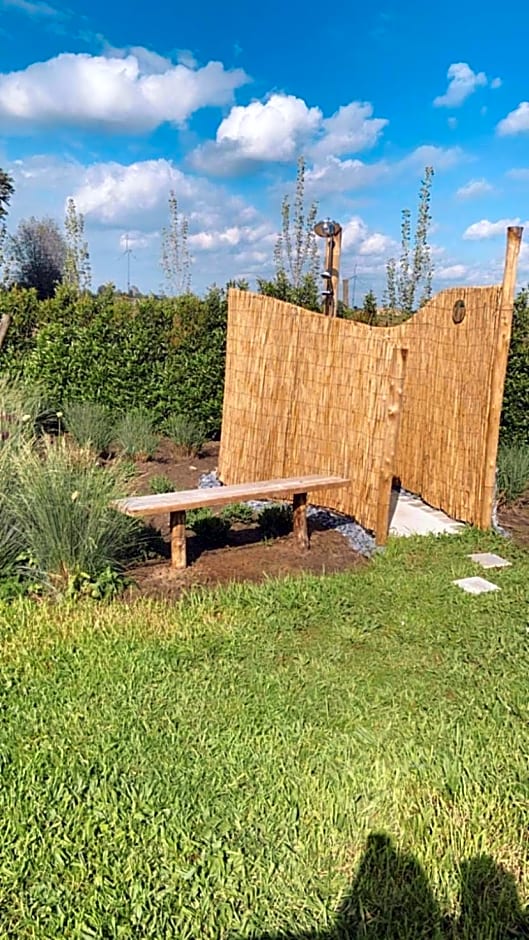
513	471
161	484
515	413
213	530
135	435
275	520
237	512
186	434
60	503
90	425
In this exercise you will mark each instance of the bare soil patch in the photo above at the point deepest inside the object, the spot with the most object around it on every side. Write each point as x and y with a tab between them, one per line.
246	557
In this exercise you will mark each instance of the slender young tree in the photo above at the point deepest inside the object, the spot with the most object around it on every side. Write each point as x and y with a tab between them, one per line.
296	251
7	189
175	258
77	259
412	276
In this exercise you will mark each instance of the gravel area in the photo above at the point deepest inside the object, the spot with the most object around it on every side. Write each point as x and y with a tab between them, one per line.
358	538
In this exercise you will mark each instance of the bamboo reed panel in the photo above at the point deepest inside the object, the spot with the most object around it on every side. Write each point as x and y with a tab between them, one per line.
311	394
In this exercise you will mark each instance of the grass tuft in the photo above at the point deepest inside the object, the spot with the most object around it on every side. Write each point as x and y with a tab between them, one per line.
513	471
135	435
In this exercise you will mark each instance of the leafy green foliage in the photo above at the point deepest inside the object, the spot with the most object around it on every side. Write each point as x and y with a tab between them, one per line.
135	435
513	470
515	413
275	520
304	295
166	355
414	271
185	433
90	425
238	512
305	757
160	483
212	530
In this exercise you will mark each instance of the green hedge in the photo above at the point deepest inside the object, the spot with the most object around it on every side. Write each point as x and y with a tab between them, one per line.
515	414
164	354
167	354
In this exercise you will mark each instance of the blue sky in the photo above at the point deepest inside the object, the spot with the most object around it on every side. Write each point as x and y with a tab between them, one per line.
116	104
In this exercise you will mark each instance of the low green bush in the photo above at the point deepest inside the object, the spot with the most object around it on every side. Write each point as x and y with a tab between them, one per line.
213	530
275	520
238	512
89	424
513	471
161	484
187	435
135	435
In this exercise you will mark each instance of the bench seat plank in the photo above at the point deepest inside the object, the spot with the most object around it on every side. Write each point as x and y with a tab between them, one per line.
222	495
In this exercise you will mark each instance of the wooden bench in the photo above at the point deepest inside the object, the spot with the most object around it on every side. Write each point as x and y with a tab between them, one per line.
176	504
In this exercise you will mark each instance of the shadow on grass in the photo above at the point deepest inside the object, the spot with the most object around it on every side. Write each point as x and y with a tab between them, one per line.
391	899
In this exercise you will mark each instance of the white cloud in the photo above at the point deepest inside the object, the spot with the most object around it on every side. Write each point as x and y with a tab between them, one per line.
452	272
337	176
281	128
486	229
34	8
133	240
452	123
518	173
233	235
516	122
358	240
270	131
474	188
112	193
462	83
496	83
351	129
135	93
441	158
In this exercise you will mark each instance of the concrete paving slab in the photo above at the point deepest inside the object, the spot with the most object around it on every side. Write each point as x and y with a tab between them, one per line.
413	517
476	585
489	560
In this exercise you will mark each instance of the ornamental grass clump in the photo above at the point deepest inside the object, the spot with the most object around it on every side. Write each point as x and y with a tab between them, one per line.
60	502
188	436
135	435
513	471
90	425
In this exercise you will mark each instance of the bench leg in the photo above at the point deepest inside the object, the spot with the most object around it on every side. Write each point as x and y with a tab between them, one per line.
300	520
177	528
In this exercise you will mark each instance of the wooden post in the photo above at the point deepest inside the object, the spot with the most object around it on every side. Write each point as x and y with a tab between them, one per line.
345	291
396	388
499	368
177	529
327	301
4	326
300	520
335	271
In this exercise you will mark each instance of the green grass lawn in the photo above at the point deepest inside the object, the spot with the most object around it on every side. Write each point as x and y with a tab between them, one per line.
323	757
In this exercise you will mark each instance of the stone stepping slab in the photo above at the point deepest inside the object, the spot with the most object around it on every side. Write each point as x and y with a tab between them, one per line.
476	585
489	560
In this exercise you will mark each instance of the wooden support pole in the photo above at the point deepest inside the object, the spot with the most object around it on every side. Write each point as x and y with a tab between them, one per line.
300	520
177	529
499	368
335	271
394	408
345	291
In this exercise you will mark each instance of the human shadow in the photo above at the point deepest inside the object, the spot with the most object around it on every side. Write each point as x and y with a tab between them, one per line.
390	898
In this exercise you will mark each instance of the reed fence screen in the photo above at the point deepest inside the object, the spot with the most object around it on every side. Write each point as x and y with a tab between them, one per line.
305	393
